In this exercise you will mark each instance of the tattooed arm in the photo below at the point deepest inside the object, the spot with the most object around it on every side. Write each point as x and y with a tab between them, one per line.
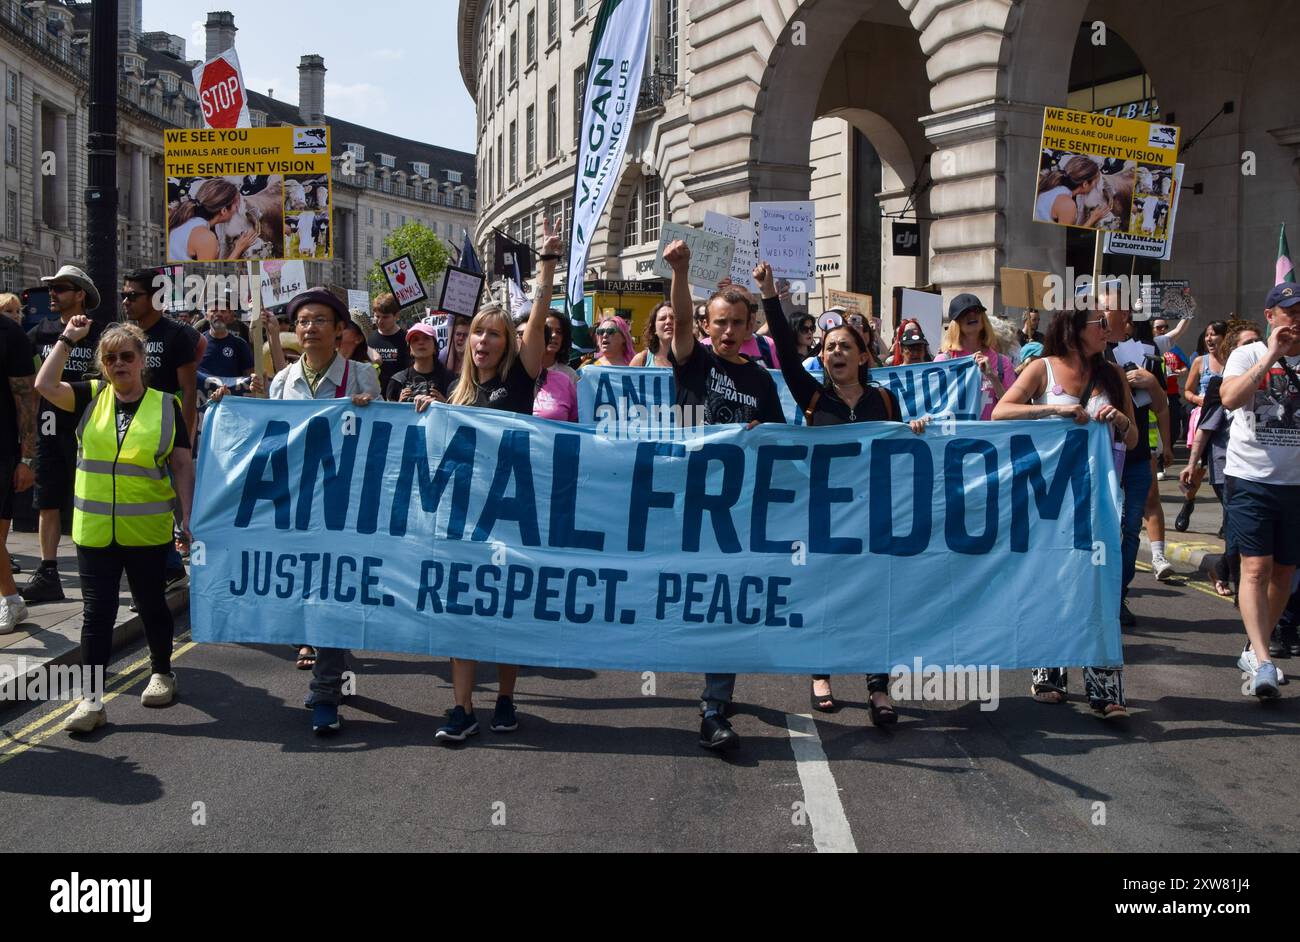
24	394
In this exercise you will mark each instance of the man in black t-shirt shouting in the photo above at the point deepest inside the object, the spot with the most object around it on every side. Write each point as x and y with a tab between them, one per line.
388	340
71	293
729	388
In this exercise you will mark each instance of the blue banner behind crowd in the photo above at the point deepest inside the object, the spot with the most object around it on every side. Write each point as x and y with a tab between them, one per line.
486	535
948	389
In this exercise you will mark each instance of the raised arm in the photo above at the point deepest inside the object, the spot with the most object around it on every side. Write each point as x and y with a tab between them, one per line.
533	349
678	256
49	382
801	383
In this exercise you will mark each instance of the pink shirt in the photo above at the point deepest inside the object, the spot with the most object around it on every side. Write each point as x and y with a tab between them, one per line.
1001	365
556	398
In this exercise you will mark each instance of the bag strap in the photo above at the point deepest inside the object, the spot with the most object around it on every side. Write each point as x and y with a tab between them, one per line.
812	407
889	403
343	386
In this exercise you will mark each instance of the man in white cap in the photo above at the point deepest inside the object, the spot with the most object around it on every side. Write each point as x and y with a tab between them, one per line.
71	293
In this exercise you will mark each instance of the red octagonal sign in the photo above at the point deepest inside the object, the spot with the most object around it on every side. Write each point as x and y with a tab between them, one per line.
221	95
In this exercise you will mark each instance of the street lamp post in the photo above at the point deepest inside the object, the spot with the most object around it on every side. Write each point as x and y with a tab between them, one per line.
101	163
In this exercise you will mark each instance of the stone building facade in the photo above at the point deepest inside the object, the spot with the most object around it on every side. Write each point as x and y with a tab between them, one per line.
44	54
921	110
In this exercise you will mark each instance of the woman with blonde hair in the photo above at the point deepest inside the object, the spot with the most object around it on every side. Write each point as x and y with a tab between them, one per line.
969	334
11	306
190	224
133	467
499	372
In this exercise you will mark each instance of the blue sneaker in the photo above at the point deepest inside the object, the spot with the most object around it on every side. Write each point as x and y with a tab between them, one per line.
1265	685
325	718
459	725
504	719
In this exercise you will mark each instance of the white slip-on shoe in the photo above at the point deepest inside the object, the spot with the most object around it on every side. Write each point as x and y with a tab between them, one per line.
89	715
160	691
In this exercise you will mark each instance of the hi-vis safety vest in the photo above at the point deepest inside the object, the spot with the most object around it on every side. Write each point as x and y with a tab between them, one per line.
123	493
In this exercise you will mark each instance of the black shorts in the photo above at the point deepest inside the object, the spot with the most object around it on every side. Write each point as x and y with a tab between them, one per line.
56	470
1264	519
7	465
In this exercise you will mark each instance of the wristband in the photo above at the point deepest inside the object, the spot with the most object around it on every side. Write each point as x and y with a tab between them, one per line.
549	257
68	340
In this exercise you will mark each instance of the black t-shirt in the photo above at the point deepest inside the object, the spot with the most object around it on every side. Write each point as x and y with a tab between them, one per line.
729	392
171	345
15	362
393	352
1023	339
1141	414
514	394
80	362
438	378
81	394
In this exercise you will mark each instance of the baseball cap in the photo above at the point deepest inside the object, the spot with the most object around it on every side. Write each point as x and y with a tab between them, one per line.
963	303
1283	295
912	337
422	328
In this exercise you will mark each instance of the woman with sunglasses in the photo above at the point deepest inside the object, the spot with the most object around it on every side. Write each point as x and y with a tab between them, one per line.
555	394
132	445
657	338
500	372
614	345
805	334
1073	381
846	394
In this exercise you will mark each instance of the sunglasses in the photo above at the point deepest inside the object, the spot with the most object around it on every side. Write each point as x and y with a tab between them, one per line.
1105	324
61	289
806	329
606	331
132	295
548	336
126	356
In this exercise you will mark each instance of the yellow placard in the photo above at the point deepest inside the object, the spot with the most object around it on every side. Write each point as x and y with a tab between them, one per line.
236	194
1100	172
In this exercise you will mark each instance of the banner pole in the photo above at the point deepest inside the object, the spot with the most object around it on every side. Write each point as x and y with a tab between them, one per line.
255	329
1096	264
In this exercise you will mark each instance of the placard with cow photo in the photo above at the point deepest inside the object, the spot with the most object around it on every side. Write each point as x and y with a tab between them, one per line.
240	194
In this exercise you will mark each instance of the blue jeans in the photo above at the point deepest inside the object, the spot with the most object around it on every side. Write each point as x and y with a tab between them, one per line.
327	676
1135	483
718	689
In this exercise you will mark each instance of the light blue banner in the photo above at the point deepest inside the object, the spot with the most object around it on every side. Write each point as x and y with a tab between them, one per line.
481	534
948	389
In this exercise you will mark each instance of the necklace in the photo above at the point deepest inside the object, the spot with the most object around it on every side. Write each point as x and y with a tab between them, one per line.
853	409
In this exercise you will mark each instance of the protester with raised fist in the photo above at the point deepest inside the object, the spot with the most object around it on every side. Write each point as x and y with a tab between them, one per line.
721	383
1262	382
500	372
133	468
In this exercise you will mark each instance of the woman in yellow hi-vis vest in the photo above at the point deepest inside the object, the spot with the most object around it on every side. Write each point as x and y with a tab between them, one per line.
131	447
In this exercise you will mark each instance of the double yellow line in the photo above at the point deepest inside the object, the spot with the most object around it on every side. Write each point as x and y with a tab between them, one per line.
1190	583
20	742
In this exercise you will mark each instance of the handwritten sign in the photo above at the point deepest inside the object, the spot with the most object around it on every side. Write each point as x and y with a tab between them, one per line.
404	281
711	253
358	300
281	281
740	231
461	291
786	237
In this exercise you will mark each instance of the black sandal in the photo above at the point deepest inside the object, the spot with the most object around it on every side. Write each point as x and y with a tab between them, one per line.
306	661
829	700
882	715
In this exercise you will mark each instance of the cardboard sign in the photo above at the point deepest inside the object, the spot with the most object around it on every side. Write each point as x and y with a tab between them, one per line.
359	300
787	237
740	231
281	281
1169	299
1107	174
461	292
1144	246
403	281
852	302
278	178
711	254
1024	287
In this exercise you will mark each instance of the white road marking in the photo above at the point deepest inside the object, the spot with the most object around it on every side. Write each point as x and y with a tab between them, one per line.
830	827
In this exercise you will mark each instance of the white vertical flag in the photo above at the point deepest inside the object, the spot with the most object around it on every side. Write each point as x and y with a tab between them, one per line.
614	67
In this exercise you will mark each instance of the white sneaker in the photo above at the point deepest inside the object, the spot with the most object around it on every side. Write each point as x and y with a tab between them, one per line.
89	715
12	614
1249	664
160	691
1164	570
1160	475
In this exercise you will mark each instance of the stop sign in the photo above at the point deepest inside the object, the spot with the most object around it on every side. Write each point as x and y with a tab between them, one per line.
221	94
